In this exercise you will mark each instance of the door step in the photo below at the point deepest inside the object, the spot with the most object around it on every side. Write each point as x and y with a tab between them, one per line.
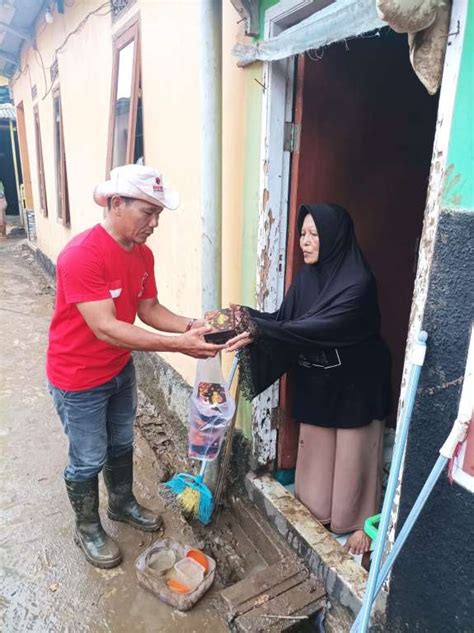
280	594
344	580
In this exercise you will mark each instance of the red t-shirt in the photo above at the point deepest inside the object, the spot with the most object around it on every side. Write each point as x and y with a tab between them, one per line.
93	267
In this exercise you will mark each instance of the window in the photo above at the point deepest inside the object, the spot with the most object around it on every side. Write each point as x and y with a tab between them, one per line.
39	164
62	197
126	112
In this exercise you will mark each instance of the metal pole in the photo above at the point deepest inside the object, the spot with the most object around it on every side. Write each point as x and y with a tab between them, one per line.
211	152
17	178
362	623
211	167
406	529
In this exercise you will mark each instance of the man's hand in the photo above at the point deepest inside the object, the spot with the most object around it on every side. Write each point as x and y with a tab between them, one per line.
241	340
198	323
193	344
101	318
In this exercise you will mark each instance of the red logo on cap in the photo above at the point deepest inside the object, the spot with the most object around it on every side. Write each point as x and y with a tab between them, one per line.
158	187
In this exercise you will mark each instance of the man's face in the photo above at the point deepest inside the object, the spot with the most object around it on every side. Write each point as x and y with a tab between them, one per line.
136	220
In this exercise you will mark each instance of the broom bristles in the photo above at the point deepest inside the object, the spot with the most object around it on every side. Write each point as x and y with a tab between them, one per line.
190	500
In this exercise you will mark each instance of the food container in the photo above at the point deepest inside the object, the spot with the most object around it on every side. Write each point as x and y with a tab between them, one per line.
222	324
189	572
161	561
156	580
199	557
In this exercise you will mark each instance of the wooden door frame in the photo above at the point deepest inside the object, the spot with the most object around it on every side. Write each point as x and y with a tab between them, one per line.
288	431
43	198
24	156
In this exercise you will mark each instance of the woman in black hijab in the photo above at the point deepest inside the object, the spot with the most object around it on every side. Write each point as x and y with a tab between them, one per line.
328	330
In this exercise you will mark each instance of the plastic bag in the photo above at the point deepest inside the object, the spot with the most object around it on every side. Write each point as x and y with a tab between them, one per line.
211	409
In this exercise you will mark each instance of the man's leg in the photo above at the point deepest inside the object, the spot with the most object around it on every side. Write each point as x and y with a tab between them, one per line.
83	415
118	470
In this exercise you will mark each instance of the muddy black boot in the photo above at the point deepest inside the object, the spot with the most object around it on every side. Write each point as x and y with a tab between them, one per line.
118	476
98	547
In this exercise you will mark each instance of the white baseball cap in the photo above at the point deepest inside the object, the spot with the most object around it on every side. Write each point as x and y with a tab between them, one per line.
137	181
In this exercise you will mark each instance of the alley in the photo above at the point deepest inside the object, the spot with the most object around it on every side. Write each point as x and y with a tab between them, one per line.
45	584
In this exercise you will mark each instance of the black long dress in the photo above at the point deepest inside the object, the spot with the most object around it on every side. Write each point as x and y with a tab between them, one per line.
328	330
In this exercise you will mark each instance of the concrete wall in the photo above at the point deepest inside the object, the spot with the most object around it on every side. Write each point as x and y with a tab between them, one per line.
171	114
431	587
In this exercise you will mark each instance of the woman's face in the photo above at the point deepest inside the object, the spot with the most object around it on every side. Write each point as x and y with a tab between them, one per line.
309	240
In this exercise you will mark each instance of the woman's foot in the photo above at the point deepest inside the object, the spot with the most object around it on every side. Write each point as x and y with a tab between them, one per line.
358	543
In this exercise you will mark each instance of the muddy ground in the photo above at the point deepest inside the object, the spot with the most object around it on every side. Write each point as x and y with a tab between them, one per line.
45	583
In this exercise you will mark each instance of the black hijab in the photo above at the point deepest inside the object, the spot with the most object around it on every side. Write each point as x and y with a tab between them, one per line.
332	303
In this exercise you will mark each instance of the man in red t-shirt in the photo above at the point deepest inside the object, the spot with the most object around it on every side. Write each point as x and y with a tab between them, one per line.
105	278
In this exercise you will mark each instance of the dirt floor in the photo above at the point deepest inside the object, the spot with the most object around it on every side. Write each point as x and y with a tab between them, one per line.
45	583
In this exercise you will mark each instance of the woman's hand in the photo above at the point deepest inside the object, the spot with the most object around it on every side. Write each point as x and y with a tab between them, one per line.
239	341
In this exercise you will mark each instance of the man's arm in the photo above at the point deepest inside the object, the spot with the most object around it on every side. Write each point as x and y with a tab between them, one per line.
159	317
100	316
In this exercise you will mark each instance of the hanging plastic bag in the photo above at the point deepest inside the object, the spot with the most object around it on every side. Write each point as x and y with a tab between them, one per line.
210	410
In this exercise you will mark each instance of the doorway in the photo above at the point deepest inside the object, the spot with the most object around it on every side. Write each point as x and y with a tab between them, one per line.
366	129
27	196
7	170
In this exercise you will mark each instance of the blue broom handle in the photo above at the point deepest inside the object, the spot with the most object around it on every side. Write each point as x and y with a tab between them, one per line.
418	357
230	380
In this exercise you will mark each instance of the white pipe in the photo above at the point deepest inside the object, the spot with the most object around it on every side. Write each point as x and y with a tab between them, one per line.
211	152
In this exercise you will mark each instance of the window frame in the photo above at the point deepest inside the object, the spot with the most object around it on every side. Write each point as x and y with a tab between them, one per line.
129	33
62	192
40	163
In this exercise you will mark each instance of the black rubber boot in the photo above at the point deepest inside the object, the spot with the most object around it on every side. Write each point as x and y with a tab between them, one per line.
118	477
99	548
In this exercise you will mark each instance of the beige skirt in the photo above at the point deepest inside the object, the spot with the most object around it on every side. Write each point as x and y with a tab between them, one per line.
339	474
